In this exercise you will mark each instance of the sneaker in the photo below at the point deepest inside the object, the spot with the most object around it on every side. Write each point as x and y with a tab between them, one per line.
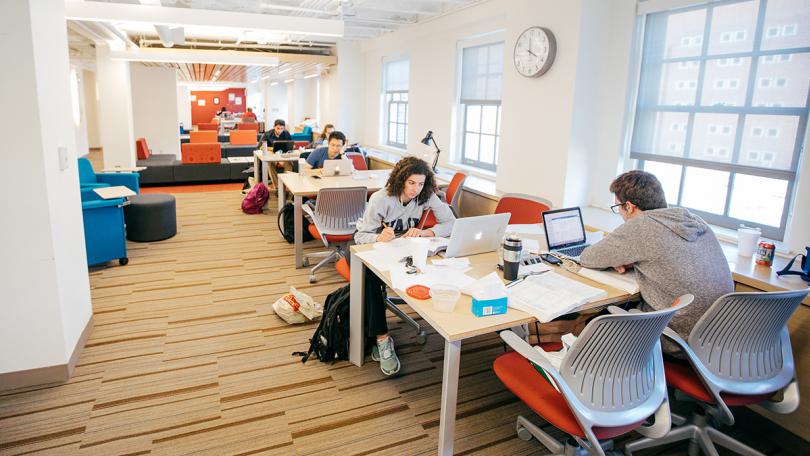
389	363
375	353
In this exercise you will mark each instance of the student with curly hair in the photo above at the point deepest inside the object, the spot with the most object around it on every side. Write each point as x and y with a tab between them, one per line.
395	211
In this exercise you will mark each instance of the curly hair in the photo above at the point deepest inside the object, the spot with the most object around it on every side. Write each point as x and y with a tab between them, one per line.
405	168
640	188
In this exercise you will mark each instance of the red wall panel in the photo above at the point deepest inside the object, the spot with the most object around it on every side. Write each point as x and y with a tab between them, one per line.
204	114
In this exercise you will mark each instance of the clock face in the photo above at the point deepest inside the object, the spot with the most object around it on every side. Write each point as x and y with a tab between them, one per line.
534	51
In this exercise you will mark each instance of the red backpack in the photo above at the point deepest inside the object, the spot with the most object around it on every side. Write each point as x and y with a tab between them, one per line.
255	199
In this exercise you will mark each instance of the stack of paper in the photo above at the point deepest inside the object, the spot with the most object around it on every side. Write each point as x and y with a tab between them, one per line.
428	276
626	282
549	295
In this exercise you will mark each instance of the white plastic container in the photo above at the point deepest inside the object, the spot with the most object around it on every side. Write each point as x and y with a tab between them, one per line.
444	297
301	163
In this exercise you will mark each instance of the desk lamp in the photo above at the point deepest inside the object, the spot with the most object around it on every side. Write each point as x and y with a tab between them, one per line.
426	141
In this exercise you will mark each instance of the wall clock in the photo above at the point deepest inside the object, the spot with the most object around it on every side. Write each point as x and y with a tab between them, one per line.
535	50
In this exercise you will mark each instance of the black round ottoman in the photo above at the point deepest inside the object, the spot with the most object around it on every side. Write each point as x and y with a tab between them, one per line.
150	217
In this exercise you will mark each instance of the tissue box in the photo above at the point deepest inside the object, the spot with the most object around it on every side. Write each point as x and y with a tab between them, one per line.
487	307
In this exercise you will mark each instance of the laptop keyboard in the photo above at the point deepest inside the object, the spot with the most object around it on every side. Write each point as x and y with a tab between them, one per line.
573	251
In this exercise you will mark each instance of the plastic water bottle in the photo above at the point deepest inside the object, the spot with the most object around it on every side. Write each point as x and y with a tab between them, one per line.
301	162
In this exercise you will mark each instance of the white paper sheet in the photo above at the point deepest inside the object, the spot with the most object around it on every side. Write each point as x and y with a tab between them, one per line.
550	295
461	264
530	228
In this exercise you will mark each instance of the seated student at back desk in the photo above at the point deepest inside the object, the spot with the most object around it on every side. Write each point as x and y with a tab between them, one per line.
333	151
673	251
278	133
397	208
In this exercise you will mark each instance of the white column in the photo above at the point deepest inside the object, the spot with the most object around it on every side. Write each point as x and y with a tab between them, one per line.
91	108
115	109
350	95
45	304
154	108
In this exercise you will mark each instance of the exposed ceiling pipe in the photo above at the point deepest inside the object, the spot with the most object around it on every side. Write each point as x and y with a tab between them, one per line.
290	46
171	35
86	32
123	37
298	9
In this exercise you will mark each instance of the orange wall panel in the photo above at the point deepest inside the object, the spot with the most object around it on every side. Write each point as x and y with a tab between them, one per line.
204	114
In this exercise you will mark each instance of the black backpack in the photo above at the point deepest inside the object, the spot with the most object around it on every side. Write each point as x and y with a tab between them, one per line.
286	224
330	342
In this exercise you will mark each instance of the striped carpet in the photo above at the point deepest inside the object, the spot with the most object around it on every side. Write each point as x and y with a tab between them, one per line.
187	357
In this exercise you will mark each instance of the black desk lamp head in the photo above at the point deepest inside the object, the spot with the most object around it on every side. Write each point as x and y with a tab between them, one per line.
426	141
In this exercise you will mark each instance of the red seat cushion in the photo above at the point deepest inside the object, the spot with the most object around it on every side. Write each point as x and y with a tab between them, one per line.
337	238
683	377
519	375
342	267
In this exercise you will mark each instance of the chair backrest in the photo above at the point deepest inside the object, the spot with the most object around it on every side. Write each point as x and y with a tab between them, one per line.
307	130
358	160
743	341
201	153
616	363
524	208
338	209
242	137
196	137
142	149
453	194
249	123
86	173
208	126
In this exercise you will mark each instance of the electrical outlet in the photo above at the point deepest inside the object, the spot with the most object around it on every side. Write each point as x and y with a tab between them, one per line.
63	158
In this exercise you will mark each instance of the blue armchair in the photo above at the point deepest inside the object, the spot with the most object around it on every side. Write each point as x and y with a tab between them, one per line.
305	135
104	231
90	179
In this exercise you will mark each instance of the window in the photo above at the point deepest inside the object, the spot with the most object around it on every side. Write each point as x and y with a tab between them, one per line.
480	105
736	159
395	103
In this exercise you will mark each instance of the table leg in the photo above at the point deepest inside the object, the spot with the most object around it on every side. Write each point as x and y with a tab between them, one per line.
264	173
281	200
356	312
299	248
257	166
447	415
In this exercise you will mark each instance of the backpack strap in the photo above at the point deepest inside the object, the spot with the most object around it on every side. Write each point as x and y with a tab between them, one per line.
804	273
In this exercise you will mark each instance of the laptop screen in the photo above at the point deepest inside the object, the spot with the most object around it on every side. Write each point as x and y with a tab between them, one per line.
283	146
564	227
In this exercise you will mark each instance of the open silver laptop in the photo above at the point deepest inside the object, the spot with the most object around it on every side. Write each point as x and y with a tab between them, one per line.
473	235
342	167
565	232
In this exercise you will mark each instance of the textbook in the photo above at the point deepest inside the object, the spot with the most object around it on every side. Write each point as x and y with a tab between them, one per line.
549	295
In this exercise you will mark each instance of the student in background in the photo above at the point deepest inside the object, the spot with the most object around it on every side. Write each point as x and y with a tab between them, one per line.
223	113
333	151
323	138
673	251
249	116
396	209
278	133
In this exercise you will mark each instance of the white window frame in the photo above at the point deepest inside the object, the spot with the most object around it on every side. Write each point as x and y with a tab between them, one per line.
463	107
644	106
387	102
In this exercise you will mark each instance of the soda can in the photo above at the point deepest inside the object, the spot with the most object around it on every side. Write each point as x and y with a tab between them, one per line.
765	253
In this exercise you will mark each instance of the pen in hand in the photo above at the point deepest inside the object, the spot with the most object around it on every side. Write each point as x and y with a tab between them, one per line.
387	233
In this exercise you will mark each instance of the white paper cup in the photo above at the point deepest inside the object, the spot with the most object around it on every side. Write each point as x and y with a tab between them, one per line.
419	251
747	240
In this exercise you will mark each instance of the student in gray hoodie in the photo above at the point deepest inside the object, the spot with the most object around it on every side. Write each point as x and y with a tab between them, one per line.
673	251
395	211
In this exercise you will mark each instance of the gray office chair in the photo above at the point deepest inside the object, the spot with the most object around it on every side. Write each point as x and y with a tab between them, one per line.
739	354
610	381
334	218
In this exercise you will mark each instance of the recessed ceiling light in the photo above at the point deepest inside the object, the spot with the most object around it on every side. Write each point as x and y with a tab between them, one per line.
264	78
314	75
289	81
273	83
286	70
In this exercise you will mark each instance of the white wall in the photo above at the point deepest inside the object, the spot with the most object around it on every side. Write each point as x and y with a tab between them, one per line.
184	106
91	108
43	276
276	104
113	78
328	94
155	109
80	128
351	90
304	100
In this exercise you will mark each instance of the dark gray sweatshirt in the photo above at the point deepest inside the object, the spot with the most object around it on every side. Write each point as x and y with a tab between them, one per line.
389	209
674	252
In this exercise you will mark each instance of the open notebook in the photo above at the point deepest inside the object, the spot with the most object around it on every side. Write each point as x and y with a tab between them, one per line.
549	295
625	282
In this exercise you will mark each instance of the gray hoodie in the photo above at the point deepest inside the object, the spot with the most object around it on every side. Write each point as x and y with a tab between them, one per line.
389	209
674	252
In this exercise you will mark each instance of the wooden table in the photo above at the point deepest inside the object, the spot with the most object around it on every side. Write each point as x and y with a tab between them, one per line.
261	161
301	186
454	327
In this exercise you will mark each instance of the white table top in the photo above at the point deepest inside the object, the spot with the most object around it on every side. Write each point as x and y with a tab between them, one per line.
119	191
307	185
461	323
273	157
121	169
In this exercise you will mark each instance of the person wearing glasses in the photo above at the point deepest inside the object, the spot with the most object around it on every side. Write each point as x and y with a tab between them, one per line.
671	251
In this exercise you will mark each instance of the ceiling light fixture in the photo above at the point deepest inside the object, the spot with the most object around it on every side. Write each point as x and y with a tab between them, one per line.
216	73
314	75
214	78
289	81
273	83
286	70
264	78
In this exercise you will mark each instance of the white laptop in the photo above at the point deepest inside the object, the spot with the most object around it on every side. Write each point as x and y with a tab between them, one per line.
565	232
342	167
473	235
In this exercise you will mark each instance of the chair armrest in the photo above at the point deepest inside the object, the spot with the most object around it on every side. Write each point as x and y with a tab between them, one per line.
129	180
93	185
100	203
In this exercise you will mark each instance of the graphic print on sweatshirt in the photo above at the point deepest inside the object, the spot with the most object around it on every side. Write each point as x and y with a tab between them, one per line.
399	225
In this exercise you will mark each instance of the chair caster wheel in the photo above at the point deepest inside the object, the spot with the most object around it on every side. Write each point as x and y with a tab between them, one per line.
524	434
312	279
123	261
421	338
